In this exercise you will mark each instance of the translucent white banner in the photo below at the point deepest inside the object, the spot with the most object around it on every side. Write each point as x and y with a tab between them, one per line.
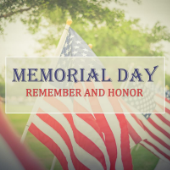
85	85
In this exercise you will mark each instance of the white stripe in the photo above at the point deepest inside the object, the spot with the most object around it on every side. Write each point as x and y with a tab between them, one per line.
55	137
159	109
167	116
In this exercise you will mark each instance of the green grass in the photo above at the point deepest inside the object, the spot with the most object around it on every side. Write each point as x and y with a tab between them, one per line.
142	158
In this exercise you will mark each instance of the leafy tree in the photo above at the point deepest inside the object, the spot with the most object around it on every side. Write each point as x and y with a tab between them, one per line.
83	9
107	29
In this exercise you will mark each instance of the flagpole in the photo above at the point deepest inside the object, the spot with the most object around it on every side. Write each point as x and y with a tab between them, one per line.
59	50
63	37
26	128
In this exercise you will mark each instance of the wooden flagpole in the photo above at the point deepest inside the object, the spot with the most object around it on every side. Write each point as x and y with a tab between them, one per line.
59	50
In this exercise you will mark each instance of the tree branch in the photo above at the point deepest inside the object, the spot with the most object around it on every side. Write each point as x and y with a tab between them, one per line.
15	12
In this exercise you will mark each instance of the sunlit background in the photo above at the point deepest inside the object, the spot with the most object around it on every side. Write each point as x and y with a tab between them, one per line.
17	41
117	35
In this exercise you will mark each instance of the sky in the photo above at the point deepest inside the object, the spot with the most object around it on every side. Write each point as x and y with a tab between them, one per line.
18	42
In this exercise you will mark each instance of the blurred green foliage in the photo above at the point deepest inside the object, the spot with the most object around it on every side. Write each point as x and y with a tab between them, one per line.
2	87
107	29
167	80
110	32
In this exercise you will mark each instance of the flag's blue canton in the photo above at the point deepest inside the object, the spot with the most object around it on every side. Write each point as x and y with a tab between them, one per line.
167	94
75	46
146	115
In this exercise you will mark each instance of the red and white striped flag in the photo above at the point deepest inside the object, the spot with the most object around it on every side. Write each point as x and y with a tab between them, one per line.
113	126
13	154
157	127
86	141
83	141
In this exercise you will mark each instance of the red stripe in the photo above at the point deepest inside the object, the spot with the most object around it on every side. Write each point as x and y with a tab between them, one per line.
86	143
50	144
13	141
156	126
156	138
156	148
59	128
163	119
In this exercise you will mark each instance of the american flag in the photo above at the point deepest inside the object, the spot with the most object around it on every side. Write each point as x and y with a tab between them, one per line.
13	154
84	141
156	126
